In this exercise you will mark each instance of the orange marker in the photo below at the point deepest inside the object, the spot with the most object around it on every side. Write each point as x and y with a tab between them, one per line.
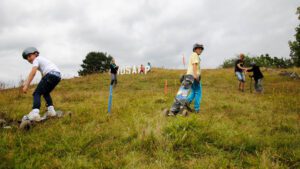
166	87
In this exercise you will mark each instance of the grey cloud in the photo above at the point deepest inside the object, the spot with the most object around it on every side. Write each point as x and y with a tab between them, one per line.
140	31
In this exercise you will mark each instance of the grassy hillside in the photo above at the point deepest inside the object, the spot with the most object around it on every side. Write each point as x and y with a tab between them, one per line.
234	129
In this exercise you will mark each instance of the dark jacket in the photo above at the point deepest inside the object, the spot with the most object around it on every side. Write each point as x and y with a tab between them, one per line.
113	68
256	72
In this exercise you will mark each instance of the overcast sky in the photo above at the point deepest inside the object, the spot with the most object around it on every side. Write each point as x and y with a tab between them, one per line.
138	31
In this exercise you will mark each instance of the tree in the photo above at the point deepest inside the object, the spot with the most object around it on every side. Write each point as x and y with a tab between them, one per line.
95	62
295	45
262	60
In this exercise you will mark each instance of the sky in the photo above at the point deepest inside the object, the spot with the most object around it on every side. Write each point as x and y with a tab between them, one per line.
139	31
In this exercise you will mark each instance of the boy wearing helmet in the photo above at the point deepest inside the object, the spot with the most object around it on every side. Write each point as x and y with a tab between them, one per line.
195	70
50	78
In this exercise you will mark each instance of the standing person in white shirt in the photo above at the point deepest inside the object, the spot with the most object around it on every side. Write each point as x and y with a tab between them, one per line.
51	76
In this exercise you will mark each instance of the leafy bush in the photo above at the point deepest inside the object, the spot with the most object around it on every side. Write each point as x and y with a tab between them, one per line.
262	60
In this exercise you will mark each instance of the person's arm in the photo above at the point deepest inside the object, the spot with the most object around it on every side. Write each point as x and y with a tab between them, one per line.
29	79
250	70
195	65
239	66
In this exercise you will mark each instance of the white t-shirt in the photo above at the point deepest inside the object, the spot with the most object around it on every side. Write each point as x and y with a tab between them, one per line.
44	65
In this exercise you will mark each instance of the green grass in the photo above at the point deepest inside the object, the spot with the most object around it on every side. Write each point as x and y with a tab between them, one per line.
234	130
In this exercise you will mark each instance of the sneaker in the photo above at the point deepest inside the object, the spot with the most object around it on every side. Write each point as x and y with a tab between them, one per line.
34	115
27	120
51	112
197	111
25	123
171	114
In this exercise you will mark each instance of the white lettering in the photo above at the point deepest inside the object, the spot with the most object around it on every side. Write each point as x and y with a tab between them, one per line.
127	70
134	70
147	69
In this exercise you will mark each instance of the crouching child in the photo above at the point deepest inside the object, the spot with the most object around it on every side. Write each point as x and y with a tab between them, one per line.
258	77
51	76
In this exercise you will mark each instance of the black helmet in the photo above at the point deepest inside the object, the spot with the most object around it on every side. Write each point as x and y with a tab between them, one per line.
28	51
197	45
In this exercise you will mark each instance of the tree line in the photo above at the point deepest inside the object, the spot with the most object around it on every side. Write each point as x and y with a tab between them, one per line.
262	60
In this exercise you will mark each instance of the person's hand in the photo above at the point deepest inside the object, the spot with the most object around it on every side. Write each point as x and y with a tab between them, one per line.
196	77
25	88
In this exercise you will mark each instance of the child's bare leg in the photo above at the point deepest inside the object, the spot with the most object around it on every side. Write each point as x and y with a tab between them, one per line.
243	86
240	85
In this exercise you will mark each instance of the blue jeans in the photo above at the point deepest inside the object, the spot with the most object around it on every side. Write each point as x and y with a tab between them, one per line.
45	86
196	93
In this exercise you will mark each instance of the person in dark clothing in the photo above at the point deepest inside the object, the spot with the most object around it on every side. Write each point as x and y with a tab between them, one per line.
113	72
258	76
239	72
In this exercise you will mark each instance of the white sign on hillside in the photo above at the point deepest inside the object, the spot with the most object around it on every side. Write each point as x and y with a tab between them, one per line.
127	70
